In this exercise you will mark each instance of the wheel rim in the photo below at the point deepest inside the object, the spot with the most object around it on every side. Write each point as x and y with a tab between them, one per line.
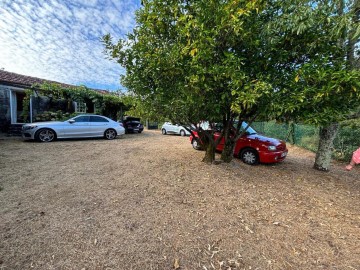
46	135
182	133
163	131
110	134
195	144
249	157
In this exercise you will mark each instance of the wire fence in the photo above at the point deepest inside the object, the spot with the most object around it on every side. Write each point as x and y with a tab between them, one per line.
306	136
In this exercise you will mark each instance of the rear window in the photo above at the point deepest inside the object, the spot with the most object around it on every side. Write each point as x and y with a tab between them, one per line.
97	119
131	119
132	123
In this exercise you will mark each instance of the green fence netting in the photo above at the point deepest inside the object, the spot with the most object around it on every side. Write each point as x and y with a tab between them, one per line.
306	136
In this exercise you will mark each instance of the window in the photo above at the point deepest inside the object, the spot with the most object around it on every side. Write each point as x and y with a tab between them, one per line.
81	119
97	119
244	125
80	107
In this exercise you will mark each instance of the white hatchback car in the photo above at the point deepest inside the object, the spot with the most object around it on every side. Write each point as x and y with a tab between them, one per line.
169	128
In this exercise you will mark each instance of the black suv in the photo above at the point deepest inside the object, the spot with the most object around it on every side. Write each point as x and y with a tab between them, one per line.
132	125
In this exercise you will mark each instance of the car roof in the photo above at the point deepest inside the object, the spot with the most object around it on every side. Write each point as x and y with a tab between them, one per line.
89	114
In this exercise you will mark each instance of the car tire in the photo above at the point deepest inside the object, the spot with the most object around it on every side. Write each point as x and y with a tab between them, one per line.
249	156
196	144
110	134
45	135
163	131
182	133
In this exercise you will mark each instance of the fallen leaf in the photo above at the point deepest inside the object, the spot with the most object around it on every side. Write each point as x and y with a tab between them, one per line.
276	223
176	264
248	229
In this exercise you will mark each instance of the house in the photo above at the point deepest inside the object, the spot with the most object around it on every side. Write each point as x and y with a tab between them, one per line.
12	103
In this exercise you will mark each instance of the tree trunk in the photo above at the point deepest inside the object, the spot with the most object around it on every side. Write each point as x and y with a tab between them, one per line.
291	136
228	151
351	59
326	142
208	146
209	154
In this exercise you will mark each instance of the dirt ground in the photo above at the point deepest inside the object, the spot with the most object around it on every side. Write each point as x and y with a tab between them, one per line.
146	201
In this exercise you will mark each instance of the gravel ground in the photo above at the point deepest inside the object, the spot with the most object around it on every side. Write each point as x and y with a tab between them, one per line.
146	201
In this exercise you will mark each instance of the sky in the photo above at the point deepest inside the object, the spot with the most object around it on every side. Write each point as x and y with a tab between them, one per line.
59	40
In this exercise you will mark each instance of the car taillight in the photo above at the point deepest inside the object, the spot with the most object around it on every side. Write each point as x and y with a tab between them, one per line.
121	124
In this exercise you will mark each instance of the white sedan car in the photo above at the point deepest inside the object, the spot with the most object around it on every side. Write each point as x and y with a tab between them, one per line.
81	126
169	128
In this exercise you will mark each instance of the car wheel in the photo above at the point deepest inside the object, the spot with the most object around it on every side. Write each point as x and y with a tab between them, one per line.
163	131
196	144
110	134
249	156
182	133
45	135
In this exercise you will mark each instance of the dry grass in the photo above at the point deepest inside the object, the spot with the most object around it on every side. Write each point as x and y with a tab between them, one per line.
146	201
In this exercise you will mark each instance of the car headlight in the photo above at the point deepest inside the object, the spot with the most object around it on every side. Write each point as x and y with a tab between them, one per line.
271	148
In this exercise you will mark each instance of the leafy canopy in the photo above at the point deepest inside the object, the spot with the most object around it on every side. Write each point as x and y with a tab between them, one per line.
194	60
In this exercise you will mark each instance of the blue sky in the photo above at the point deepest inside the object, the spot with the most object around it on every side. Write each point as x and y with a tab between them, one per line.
59	40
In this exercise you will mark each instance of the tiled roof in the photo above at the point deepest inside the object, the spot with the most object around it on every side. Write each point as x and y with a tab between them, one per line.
14	79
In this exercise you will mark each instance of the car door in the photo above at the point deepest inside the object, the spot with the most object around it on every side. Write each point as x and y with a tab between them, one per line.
98	125
220	145
217	133
174	128
169	127
77	127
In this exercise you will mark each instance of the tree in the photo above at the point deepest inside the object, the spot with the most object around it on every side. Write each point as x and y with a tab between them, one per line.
185	60
310	68
221	60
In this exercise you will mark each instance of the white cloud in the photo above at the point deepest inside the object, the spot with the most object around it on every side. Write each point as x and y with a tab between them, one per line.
60	40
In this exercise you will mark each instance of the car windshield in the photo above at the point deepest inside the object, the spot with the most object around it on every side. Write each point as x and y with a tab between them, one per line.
249	129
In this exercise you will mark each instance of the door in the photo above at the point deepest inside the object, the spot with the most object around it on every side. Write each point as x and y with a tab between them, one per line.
220	146
172	128
20	113
79	128
98	125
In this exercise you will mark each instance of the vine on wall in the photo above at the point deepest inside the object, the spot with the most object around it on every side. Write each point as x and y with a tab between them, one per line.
107	104
26	105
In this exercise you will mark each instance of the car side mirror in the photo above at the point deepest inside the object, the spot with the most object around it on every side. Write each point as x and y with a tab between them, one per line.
71	121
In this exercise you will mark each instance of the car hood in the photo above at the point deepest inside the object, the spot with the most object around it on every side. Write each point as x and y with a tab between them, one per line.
52	123
265	139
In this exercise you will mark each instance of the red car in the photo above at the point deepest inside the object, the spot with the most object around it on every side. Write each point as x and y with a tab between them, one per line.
252	147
